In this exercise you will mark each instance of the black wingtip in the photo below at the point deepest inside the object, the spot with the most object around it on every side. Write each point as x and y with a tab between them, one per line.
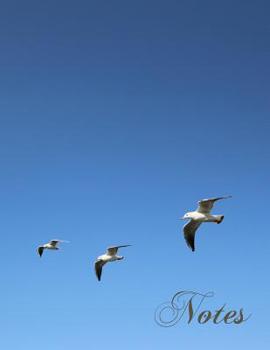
40	251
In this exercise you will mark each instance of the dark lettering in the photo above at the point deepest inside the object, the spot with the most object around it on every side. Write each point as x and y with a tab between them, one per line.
204	317
229	315
218	312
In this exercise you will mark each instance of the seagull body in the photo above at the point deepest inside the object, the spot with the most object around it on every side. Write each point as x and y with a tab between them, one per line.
199	216
109	256
52	245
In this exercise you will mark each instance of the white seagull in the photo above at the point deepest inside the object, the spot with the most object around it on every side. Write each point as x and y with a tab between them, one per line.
51	245
109	256
197	217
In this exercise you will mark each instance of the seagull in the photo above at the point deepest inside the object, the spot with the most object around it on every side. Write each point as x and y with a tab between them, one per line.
197	217
109	256
51	245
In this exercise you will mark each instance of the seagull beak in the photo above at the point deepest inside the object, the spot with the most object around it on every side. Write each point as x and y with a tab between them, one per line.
182	218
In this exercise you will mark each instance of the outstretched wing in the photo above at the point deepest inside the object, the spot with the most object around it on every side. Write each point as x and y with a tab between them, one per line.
189	233
40	250
205	205
98	268
113	250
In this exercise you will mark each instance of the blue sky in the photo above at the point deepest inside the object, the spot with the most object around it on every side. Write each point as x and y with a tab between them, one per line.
116	117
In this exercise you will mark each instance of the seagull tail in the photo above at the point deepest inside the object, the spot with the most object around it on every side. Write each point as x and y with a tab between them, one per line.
220	218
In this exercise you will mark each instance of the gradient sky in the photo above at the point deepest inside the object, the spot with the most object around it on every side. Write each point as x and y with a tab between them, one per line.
116	117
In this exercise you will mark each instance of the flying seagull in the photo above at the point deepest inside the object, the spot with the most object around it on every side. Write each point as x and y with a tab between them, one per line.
109	256
51	245
197	217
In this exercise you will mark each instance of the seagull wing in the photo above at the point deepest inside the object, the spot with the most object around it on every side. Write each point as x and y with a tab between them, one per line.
40	250
98	268
113	250
189	233
54	242
205	205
